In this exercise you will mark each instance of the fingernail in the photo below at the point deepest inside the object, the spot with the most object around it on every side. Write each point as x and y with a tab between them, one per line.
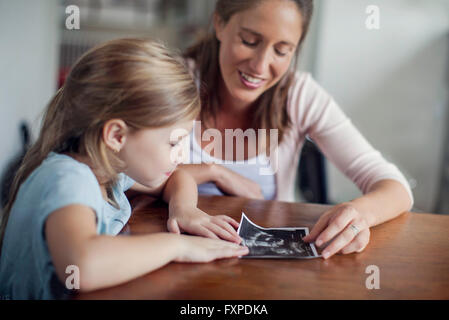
325	254
319	243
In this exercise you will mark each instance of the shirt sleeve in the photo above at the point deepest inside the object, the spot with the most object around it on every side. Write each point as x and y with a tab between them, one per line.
318	116
68	186
125	182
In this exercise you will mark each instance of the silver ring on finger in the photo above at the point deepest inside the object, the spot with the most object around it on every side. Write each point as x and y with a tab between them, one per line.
354	229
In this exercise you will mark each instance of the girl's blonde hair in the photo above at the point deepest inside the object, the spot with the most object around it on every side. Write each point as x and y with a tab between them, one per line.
136	80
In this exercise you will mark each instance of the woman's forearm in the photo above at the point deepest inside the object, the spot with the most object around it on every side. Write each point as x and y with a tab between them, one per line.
228	181
110	260
386	200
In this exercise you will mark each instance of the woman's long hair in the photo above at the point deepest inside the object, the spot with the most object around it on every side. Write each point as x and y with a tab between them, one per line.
271	111
136	80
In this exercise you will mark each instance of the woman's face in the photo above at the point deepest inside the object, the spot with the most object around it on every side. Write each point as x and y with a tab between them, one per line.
256	48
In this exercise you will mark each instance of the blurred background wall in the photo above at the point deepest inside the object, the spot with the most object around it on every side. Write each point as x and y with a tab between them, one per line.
392	82
29	48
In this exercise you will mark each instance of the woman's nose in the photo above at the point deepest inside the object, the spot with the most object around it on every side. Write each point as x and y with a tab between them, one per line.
260	63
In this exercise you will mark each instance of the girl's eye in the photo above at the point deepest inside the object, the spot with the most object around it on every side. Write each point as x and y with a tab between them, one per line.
174	144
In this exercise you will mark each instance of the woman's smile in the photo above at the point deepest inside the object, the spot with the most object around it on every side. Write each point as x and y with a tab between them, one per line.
251	82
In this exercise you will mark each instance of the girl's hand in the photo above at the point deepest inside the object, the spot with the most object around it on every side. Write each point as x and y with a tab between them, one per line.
197	249
236	185
345	226
197	222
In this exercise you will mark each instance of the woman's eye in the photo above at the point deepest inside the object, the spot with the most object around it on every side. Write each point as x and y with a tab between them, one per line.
248	43
280	53
174	144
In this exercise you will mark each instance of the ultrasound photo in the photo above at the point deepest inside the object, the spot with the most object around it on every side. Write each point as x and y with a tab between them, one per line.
277	243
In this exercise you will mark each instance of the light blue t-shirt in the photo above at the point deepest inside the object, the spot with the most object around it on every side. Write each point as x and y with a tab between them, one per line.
26	268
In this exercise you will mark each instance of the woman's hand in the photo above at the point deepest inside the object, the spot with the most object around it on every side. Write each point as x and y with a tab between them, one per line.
197	222
234	184
346	226
197	249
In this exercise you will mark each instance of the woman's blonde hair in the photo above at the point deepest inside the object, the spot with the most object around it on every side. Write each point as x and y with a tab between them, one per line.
271	111
136	80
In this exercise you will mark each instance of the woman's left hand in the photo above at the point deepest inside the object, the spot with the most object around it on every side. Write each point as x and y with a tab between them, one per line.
346	226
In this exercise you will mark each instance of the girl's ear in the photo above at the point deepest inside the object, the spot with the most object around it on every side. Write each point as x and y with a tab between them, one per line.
114	134
218	26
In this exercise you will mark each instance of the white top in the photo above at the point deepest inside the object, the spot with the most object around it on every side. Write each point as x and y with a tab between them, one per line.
250	169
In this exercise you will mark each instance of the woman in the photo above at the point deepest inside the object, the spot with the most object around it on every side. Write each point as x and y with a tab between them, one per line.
246	73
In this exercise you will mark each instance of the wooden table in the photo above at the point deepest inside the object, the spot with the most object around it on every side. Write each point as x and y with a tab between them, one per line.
411	252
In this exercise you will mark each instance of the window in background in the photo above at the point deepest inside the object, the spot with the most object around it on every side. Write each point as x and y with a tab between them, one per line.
175	22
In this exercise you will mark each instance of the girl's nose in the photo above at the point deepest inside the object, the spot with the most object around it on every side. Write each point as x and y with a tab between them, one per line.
178	155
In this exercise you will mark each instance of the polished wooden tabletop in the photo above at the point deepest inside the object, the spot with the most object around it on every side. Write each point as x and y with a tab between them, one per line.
410	251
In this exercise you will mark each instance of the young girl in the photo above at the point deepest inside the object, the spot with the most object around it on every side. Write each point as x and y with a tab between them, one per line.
109	129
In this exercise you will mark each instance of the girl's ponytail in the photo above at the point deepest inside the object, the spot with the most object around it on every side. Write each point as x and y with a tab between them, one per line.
47	141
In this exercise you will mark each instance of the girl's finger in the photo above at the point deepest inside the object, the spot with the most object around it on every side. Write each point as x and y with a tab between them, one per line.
341	241
225	225
222	233
172	226
240	251
204	232
232	252
231	221
336	226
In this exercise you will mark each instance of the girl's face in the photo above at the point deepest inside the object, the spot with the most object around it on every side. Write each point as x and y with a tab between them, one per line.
256	48
151	155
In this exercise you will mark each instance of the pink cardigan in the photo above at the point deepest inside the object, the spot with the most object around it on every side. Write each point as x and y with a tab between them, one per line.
314	113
